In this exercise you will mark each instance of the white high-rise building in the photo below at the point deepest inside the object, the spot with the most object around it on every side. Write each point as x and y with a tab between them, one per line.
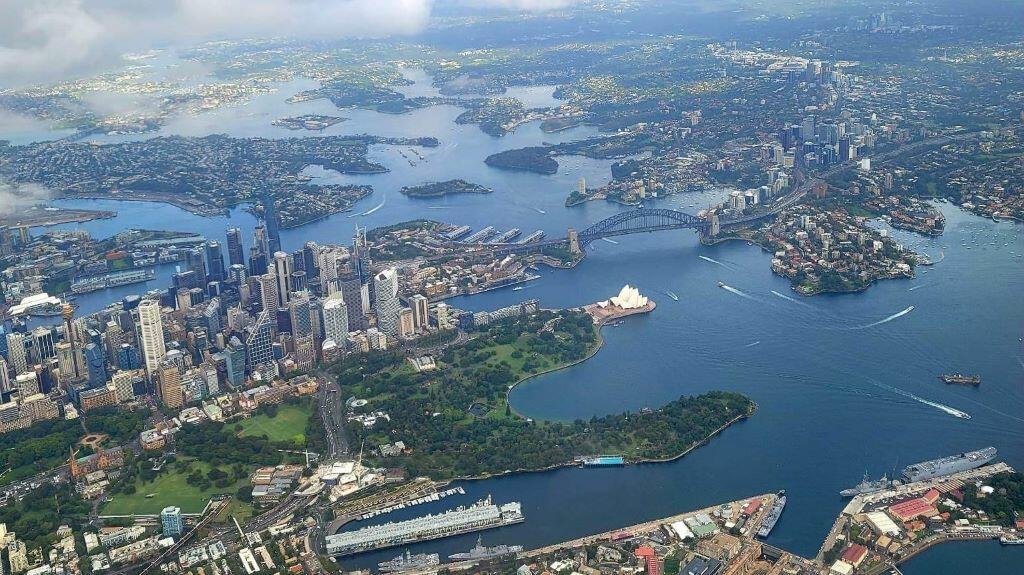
16	352
420	311
283	271
151	333
385	290
336	319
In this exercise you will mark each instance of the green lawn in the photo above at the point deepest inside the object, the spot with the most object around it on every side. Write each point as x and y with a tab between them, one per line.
288	425
169	488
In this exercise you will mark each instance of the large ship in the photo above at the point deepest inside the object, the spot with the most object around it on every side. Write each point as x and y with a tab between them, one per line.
116	279
480	553
961	379
949	465
867	486
409	561
773	515
481	515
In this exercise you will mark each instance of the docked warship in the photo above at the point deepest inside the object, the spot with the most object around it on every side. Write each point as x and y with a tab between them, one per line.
479	552
773	515
409	561
949	465
867	486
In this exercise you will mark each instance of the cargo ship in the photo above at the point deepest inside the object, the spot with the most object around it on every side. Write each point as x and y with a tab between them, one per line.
867	486
408	561
481	553
949	465
773	515
961	379
483	514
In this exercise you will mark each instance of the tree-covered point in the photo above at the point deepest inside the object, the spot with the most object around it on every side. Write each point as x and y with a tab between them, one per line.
456	420
1005	504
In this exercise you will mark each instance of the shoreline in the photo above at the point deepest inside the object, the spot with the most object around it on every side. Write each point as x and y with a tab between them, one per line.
574	463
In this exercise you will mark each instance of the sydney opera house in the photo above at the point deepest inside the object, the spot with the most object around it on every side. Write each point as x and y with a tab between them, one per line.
628	302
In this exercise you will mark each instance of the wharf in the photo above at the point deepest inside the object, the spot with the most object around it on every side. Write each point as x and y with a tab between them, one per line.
861	502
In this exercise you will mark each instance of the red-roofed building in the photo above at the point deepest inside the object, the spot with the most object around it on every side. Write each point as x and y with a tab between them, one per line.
912	508
932	496
751	507
855	554
650	558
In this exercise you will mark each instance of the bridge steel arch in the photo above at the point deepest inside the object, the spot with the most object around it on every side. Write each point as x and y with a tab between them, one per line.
642	220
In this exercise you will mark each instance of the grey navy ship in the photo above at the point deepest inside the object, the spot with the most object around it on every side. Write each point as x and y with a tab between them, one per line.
410	561
773	515
867	486
480	552
949	465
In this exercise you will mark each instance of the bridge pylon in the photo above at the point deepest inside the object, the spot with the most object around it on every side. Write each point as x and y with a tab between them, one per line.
574	242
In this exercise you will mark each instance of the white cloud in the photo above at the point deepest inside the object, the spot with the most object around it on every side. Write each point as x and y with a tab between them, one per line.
48	40
14	198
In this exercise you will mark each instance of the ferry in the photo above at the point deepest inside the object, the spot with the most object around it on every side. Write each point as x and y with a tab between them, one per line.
1011	539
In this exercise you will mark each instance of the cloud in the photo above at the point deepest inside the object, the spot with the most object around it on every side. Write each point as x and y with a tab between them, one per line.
49	40
17	197
43	41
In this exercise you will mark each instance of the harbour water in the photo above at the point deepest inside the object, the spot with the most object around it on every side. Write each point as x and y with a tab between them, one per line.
836	394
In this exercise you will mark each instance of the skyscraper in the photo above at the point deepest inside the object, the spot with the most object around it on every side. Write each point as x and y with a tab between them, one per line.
260	341
169	385
96	363
268	292
352	292
270	217
43	344
336	319
420	311
236	256
151	335
16	352
385	288
214	262
283	272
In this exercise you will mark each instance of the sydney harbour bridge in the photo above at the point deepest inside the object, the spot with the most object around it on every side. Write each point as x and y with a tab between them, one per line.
635	221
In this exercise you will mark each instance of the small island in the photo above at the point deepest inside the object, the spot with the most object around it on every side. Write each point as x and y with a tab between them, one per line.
441	189
312	122
536	159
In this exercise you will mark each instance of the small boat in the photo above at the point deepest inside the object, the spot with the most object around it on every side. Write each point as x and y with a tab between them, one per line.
721	285
961	379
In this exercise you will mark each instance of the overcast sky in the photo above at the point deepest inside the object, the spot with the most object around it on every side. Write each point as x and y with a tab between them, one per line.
48	40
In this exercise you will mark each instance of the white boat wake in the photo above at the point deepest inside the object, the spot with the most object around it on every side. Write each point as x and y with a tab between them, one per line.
888	319
375	208
540	211
753	344
716	262
918	286
787	298
731	289
672	295
941	407
611	241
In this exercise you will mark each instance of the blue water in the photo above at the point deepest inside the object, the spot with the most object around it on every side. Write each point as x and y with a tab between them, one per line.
834	394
